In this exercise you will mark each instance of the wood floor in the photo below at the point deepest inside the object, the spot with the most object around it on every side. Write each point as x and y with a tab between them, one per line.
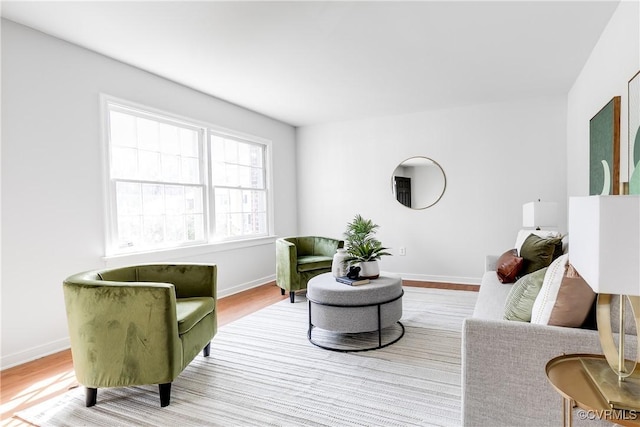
31	383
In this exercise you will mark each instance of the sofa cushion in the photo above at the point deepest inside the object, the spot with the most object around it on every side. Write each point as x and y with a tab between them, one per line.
190	280
305	245
508	266
565	298
523	295
190	311
538	252
491	298
313	262
325	246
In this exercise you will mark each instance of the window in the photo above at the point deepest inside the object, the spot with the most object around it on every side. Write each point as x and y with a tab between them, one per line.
173	182
239	187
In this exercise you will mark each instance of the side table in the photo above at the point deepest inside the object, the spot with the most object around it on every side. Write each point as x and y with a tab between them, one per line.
567	375
352	315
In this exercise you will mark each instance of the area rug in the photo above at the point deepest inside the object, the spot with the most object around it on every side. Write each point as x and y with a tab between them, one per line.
264	372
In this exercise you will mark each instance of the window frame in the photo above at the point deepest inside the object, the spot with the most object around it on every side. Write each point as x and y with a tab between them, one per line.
112	248
265	176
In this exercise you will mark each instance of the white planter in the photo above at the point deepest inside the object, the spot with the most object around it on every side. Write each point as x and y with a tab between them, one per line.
369	269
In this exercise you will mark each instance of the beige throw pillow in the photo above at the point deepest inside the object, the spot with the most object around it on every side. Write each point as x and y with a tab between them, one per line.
565	298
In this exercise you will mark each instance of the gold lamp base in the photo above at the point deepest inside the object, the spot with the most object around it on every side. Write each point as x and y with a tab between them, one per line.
623	395
617	378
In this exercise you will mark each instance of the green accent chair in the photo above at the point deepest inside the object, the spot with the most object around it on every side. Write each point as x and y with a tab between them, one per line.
139	325
298	259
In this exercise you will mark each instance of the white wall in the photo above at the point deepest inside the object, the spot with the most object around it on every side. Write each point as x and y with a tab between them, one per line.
612	63
496	158
52	188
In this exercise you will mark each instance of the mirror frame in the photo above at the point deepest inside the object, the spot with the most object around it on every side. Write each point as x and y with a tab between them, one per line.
444	184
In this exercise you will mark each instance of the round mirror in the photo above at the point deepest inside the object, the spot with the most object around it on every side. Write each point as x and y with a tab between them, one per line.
418	182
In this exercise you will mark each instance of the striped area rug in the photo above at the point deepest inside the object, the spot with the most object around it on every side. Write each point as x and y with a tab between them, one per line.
264	372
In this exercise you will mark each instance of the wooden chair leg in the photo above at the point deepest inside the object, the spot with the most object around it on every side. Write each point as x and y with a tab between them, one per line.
91	396
165	394
292	296
282	291
207	350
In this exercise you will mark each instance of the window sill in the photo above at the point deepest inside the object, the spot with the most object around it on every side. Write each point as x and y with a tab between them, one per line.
163	255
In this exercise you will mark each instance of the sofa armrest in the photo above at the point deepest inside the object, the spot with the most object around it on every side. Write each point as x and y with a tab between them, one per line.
286	264
122	333
490	262
503	371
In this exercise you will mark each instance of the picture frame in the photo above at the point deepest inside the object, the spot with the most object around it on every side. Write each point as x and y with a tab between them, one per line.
604	150
634	133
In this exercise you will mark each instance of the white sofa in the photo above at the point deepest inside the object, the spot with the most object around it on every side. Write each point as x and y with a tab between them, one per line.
503	362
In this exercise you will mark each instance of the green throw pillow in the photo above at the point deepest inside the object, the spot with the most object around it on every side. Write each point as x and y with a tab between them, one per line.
537	253
522	295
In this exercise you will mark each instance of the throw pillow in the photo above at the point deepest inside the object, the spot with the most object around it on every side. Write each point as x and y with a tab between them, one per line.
523	293
537	252
565	298
508	266
558	251
523	234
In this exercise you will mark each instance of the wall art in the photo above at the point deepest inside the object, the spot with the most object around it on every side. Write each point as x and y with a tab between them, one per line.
604	150
634	134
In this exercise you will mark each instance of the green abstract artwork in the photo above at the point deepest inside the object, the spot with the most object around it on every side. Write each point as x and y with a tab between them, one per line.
604	150
634	134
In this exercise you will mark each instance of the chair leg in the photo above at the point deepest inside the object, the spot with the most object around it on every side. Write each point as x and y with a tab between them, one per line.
292	297
282	291
165	394
91	396
207	350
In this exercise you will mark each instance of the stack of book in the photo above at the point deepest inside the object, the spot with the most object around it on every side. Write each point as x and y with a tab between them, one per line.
352	282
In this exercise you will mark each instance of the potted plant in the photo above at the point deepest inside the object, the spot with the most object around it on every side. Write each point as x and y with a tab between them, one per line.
362	246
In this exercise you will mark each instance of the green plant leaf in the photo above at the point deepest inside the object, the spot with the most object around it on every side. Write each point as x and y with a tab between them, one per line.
360	241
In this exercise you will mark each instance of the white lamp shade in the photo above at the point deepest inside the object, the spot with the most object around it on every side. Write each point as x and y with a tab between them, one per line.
604	234
540	214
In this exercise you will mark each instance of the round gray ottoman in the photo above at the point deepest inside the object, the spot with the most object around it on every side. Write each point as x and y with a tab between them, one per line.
346	309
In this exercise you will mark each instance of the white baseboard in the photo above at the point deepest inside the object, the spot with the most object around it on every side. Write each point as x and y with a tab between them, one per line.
34	353
246	286
441	279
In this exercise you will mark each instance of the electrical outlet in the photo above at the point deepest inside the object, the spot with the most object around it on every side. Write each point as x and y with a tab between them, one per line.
402	251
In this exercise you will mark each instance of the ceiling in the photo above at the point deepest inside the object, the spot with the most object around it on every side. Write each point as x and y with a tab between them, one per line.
307	63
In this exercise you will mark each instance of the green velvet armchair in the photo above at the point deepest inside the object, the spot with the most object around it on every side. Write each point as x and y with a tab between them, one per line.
298	259
139	325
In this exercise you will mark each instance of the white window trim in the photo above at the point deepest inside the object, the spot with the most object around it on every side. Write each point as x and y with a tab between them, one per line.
172	254
112	257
